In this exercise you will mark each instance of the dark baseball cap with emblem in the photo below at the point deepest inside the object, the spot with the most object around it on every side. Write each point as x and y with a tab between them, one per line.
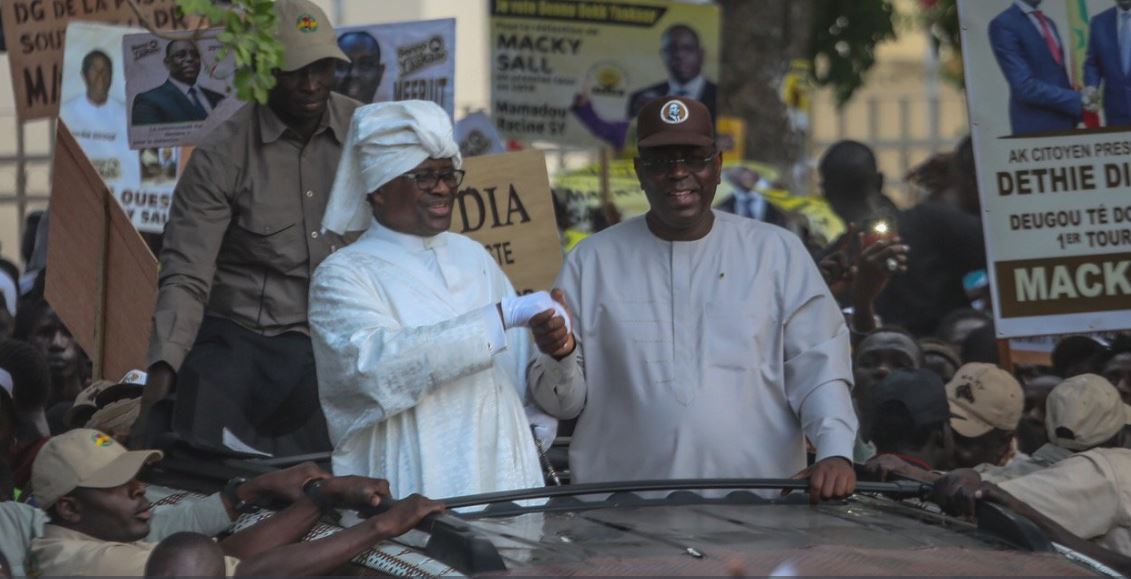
673	121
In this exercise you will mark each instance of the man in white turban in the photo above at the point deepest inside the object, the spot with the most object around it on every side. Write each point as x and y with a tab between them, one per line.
420	341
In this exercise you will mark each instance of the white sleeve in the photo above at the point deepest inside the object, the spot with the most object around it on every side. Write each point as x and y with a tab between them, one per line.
559	387
818	369
829	421
370	367
206	516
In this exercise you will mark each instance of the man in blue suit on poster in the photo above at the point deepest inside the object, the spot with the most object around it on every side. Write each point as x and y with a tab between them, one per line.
1031	55
180	99
1109	62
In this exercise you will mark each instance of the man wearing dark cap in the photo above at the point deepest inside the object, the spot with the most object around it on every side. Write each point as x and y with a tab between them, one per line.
711	345
230	338
911	420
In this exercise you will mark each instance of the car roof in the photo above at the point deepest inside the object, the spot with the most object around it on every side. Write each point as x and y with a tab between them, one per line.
862	536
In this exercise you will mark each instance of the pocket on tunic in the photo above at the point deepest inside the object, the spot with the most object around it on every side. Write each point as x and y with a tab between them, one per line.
732	329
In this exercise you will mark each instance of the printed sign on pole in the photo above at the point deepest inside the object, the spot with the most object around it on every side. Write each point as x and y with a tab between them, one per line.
1051	124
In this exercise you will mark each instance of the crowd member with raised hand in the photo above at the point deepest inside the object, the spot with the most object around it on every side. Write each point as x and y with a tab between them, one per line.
671	368
421	341
943	243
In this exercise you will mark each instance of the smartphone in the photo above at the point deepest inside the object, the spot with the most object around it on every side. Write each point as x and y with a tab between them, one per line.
876	230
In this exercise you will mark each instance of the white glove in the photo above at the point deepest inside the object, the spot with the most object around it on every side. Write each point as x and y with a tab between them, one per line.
518	310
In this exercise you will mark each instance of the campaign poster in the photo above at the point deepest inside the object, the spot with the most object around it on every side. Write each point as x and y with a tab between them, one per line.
400	61
177	90
1050	115
36	29
94	109
577	73
579	191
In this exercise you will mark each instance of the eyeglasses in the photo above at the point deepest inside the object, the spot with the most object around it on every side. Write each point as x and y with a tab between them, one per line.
662	166
429	180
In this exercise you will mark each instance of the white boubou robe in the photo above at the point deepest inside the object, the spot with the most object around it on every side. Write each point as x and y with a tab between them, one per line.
417	379
699	359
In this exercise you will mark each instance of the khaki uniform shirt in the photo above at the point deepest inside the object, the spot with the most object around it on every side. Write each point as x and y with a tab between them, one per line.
245	230
20	523
1044	457
64	552
1089	494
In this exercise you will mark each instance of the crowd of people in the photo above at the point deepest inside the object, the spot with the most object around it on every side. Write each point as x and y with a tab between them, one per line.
312	299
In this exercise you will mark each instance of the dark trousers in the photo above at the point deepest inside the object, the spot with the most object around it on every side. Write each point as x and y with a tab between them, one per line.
240	389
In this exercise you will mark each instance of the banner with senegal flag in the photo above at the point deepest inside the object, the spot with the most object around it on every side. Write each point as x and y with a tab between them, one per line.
1047	87
1077	45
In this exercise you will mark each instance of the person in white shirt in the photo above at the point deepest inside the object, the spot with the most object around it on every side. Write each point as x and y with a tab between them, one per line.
706	344
417	333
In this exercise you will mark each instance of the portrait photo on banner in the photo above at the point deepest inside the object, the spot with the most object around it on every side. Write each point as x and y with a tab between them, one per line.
177	90
399	61
93	107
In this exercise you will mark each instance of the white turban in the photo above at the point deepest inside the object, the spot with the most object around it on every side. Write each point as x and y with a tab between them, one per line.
385	140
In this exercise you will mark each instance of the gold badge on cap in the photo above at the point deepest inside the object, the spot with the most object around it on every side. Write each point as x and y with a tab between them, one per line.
102	440
674	112
306	23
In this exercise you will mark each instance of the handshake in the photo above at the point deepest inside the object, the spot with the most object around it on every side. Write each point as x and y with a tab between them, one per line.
1090	96
546	315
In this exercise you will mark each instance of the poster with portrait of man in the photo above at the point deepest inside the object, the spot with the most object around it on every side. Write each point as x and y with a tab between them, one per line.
177	90
1048	84
399	61
93	107
579	72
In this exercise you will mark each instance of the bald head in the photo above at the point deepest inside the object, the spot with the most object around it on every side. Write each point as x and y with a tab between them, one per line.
186	555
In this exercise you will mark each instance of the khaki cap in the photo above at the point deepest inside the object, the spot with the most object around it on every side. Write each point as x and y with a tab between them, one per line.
84	458
1085	411
305	33
984	397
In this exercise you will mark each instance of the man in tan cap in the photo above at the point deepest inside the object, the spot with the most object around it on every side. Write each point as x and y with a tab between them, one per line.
230	338
1085	493
985	405
99	516
712	346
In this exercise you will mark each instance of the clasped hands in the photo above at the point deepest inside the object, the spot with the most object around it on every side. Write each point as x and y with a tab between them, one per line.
1090	98
547	316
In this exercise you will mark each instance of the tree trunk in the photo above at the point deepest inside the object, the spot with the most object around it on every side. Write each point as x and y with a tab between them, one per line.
760	38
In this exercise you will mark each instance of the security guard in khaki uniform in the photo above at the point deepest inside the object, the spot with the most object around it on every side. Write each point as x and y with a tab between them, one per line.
230	341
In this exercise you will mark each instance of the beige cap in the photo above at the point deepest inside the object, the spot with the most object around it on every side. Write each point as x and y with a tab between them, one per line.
1084	411
306	34
984	397
84	458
